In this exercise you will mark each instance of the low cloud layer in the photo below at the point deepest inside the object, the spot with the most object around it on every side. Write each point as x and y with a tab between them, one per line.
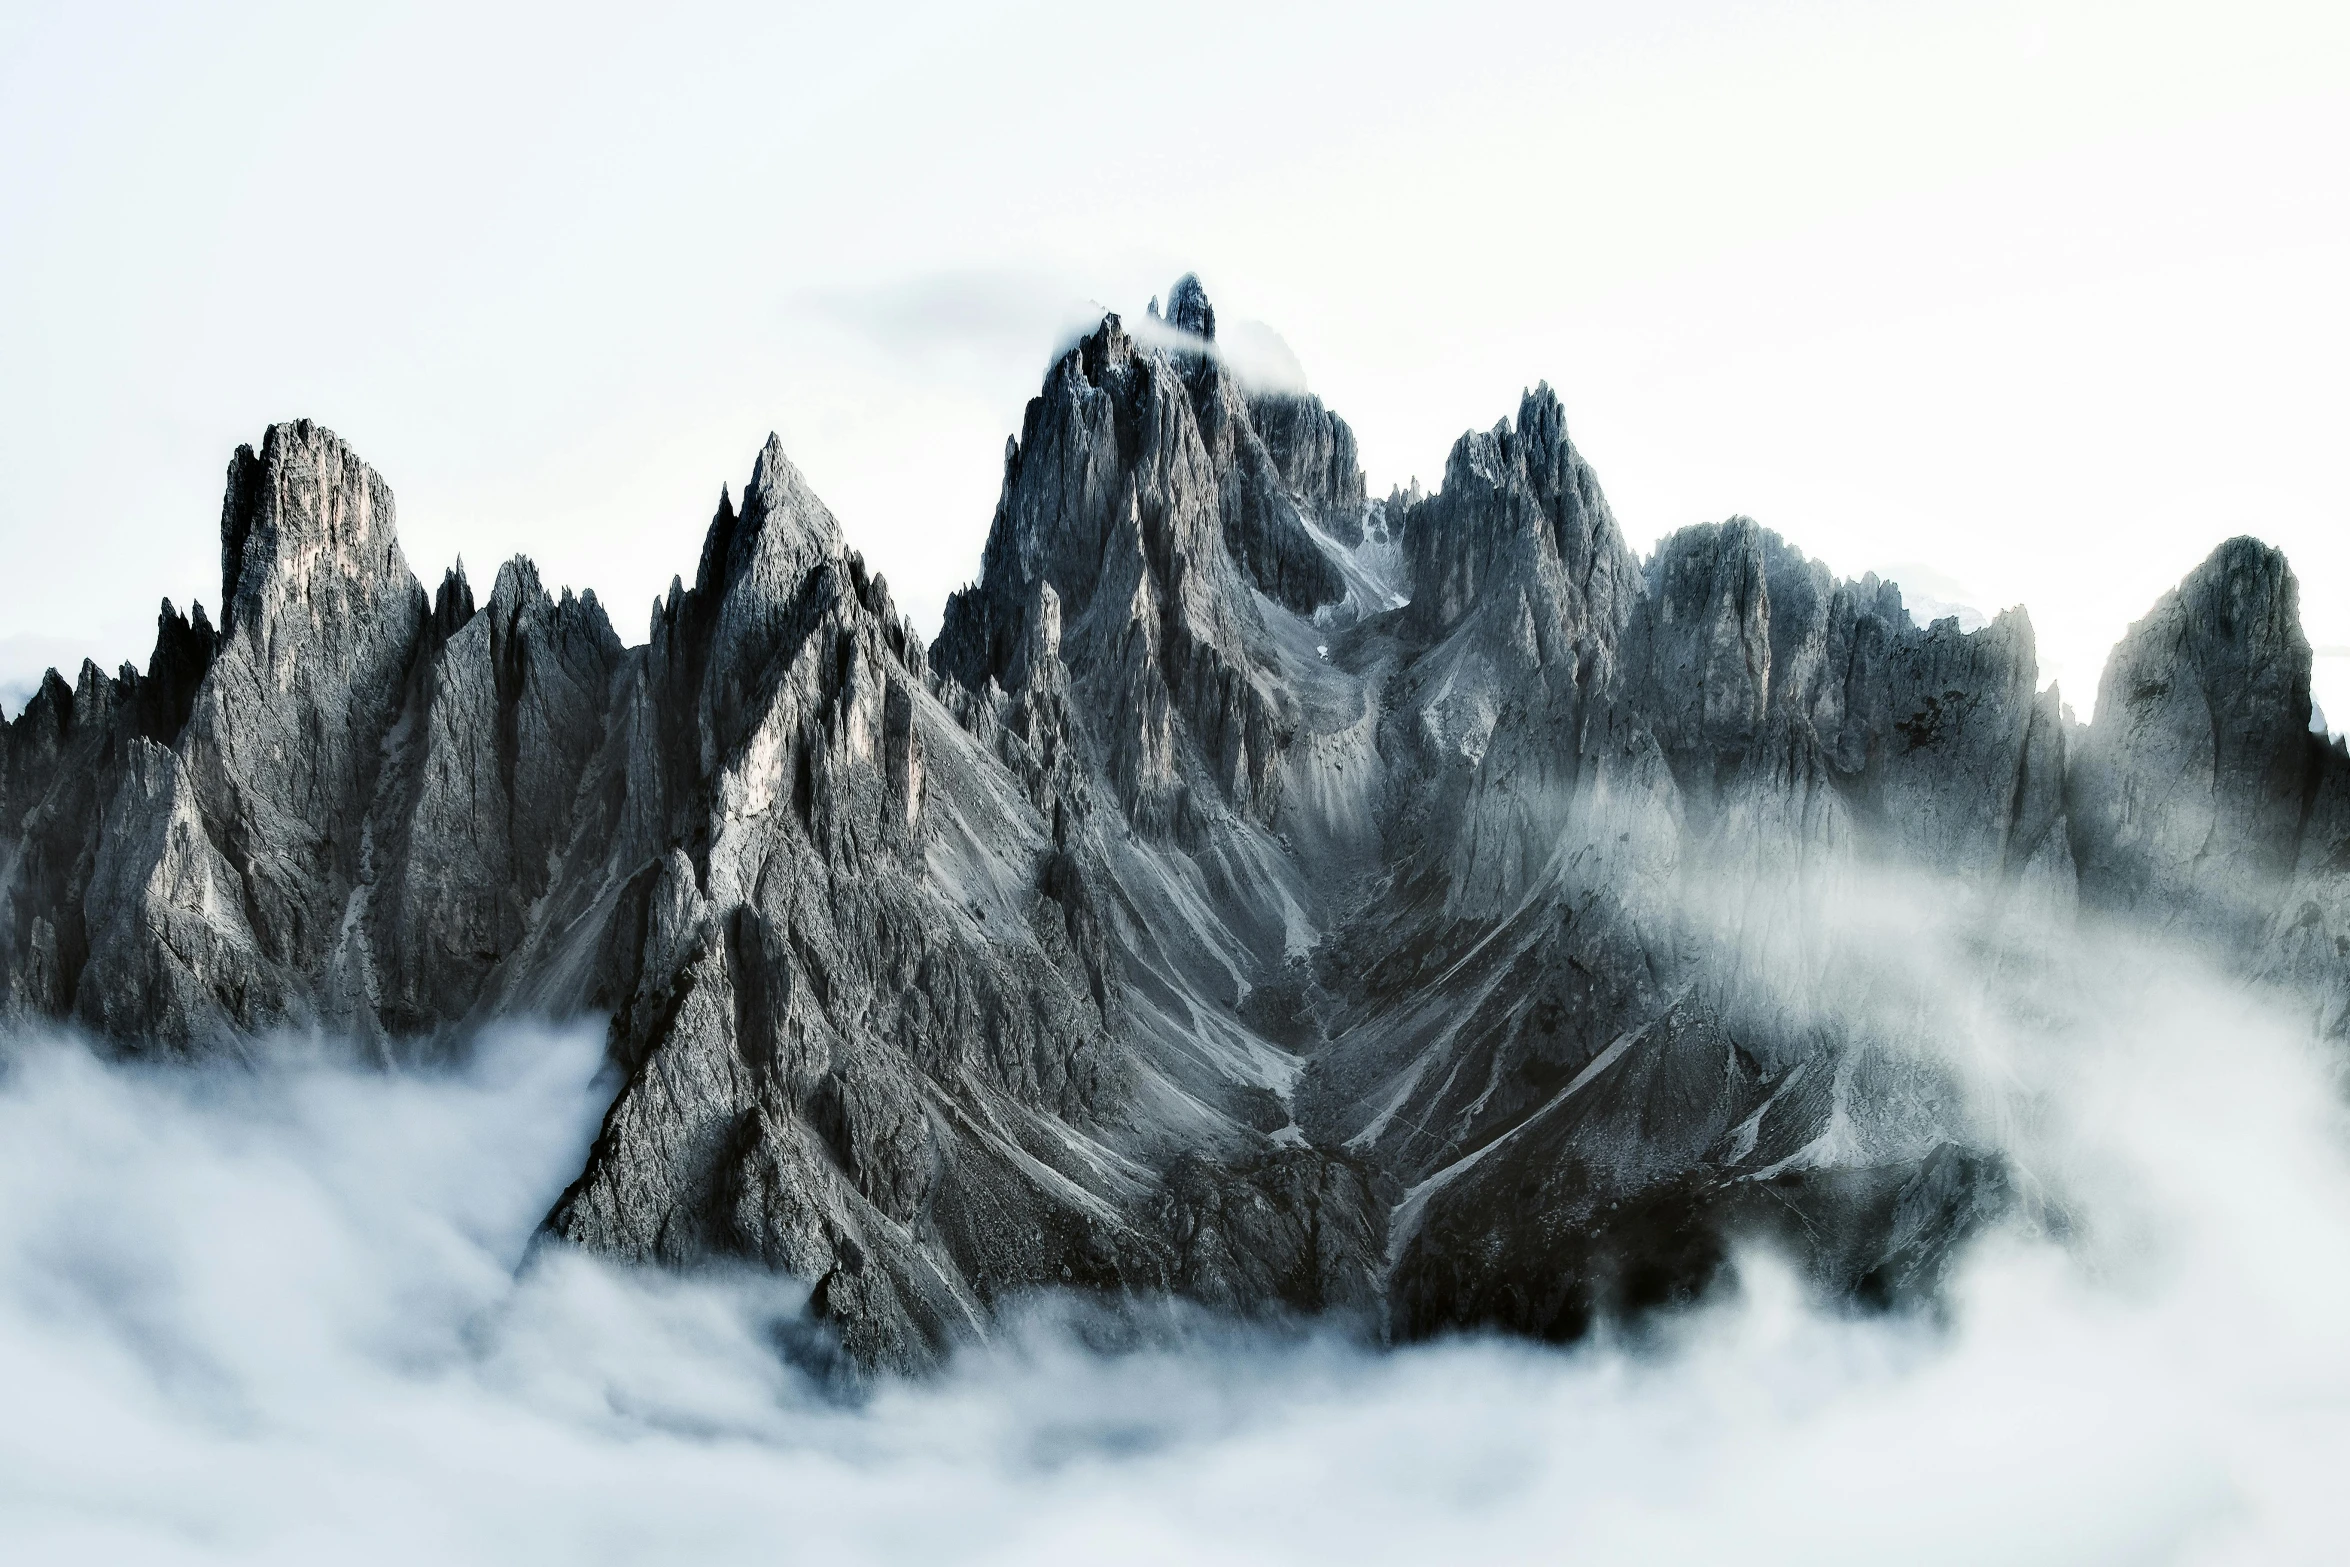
287	1314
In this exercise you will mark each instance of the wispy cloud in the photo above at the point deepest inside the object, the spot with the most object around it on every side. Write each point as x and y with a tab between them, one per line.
993	312
1012	316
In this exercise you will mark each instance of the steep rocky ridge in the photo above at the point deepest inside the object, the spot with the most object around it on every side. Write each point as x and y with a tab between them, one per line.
1417	908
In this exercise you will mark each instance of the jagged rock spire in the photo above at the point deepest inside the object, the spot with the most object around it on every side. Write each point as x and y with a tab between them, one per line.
1188	309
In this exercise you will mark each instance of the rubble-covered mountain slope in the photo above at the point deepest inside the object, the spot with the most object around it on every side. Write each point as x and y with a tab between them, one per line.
1420	909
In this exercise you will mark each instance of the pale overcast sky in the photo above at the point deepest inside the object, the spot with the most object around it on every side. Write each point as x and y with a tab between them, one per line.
2047	298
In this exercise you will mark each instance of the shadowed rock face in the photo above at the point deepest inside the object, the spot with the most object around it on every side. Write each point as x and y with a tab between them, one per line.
2192	792
1421	910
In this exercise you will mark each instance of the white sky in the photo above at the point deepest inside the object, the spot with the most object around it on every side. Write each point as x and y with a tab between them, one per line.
2047	297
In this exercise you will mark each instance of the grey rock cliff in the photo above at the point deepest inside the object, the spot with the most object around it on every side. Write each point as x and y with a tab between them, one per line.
2190	796
1420	910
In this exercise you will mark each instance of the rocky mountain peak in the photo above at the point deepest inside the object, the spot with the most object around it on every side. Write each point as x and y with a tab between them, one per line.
783	532
306	529
1144	492
2193	783
184	650
1188	309
1261	894
452	604
1520	509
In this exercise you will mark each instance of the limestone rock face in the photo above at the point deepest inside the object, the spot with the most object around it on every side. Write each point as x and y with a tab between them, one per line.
1624	801
1188	309
2192	787
476	808
320	619
63	761
2306	947
1313	452
1420	910
866	1034
1140	492
1741	643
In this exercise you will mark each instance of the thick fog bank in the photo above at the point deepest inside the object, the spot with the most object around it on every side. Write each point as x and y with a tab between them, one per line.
285	1315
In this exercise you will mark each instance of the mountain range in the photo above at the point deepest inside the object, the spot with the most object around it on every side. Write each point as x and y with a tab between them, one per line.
1419	909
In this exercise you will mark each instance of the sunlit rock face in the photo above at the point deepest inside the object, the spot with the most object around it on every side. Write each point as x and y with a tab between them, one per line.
1421	910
